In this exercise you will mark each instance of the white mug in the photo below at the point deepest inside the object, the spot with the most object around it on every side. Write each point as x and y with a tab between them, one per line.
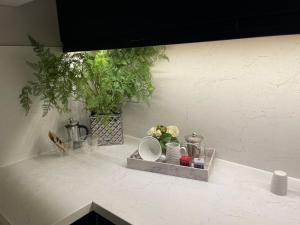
174	152
149	149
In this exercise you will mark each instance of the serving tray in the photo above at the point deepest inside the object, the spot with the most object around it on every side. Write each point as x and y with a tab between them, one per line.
136	162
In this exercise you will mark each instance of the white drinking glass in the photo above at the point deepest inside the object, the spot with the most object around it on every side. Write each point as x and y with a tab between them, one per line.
90	142
279	182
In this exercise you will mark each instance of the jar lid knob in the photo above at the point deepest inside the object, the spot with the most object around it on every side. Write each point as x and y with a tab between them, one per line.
194	134
72	122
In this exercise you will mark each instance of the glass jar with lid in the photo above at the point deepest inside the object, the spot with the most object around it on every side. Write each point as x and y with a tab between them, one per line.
193	144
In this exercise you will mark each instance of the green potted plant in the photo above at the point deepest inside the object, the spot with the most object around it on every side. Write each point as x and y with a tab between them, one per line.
103	80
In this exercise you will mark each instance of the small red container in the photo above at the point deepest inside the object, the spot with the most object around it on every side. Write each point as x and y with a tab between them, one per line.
185	160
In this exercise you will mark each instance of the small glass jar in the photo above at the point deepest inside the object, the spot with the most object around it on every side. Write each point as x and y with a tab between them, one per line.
90	142
185	160
199	163
193	144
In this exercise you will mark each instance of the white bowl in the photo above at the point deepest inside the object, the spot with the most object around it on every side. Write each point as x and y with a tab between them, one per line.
149	149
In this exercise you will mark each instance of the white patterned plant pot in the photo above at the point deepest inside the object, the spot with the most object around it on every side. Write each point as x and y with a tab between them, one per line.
107	128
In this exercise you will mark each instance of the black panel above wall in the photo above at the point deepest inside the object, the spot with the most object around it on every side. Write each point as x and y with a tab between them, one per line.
93	25
92	219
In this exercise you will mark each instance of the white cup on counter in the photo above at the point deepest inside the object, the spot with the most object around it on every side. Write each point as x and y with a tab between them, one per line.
279	182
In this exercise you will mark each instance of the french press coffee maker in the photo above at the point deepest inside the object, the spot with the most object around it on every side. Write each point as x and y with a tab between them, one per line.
75	137
193	144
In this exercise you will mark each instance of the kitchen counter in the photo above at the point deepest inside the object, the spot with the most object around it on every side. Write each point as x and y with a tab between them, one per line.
54	190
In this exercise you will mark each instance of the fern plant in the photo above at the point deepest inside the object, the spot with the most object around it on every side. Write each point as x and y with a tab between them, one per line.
102	80
54	77
113	77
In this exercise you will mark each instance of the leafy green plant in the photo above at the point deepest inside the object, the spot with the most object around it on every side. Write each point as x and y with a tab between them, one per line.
112	77
54	76
104	80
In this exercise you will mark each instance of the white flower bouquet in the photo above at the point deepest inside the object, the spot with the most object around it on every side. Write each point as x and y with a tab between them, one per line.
164	134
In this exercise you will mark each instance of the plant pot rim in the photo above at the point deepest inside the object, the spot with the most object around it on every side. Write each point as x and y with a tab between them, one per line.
110	114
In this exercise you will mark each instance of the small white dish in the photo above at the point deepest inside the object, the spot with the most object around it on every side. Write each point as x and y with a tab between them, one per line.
149	149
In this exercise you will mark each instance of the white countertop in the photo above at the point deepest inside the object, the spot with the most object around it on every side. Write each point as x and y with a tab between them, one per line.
55	189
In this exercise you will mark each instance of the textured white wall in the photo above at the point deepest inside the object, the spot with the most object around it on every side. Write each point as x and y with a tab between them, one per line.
242	95
21	136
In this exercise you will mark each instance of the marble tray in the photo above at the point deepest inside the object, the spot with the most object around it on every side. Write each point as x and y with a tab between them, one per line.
135	162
